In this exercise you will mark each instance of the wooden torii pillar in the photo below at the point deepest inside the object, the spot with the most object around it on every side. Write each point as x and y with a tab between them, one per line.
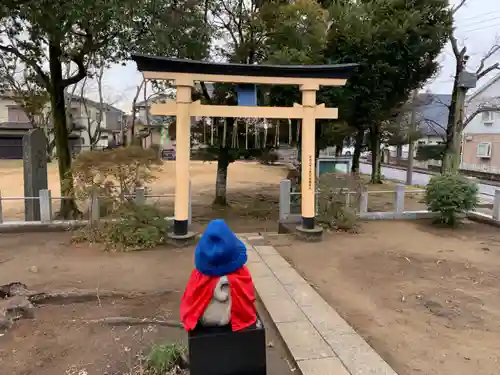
183	74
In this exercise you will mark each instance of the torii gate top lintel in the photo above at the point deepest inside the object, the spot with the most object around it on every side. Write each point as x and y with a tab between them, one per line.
164	68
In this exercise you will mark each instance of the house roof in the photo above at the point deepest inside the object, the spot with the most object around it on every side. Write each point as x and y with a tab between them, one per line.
14	125
106	106
484	87
433	113
142	104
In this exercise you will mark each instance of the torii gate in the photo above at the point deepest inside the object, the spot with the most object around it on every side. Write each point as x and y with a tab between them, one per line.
183	74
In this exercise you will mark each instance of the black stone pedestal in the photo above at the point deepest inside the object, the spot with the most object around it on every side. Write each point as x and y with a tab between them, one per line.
220	351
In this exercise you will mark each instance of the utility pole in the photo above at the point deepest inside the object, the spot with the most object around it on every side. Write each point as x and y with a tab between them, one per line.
411	143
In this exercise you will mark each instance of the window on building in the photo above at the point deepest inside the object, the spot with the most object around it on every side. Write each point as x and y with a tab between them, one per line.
17	114
484	150
488	117
75	113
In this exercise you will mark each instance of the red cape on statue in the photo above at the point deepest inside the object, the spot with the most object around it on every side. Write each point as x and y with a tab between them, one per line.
199	292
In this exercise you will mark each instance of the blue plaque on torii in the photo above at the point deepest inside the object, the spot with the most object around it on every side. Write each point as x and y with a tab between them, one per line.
247	95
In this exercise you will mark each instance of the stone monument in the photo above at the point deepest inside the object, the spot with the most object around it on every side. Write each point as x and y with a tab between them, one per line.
35	171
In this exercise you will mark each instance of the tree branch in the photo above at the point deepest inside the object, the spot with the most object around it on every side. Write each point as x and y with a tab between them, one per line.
477	112
33	64
481	71
205	92
457	8
78	58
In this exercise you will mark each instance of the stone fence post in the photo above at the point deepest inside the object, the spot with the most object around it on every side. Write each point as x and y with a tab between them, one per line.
496	205
285	189
95	209
363	202
399	203
140	196
45	201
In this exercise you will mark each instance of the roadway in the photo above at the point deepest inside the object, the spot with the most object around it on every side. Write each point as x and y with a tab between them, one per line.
486	192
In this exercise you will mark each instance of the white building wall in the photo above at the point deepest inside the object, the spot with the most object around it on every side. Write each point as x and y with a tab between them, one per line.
478	125
4	111
89	118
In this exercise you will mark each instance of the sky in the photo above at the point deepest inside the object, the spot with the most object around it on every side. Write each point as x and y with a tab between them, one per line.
477	27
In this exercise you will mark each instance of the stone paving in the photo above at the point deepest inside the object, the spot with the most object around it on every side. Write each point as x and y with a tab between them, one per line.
320	341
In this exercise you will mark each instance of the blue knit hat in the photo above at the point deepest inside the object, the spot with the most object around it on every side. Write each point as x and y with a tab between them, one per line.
219	251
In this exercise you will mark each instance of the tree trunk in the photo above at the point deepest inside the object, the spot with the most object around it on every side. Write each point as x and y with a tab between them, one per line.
265	137
376	157
451	155
360	135
399	154
69	209
339	145
221	179
246	134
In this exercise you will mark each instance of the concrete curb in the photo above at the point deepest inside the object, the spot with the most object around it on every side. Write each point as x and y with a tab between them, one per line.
319	339
483	218
38	226
434	173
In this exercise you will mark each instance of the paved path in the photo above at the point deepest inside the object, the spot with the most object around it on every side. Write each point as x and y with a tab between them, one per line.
486	192
320	341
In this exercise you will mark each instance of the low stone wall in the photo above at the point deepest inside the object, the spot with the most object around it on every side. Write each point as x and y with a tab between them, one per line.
434	169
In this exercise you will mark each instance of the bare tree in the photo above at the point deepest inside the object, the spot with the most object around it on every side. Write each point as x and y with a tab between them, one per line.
455	126
93	119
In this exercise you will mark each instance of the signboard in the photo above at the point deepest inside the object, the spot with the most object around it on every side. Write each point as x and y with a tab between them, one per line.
333	164
168	154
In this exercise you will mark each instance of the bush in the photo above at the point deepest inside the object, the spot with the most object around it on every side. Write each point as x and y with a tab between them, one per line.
114	174
430	152
450	195
269	157
338	201
136	227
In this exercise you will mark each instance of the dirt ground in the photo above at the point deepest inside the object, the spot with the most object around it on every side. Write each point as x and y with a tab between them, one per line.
64	339
253	192
382	197
425	298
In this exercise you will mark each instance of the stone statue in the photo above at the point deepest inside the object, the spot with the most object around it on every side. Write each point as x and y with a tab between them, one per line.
220	291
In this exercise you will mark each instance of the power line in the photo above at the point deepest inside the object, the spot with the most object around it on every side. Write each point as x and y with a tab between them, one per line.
481	21
494	11
482	28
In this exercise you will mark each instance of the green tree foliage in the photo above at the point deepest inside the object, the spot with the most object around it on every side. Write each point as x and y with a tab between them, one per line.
57	40
451	195
396	43
430	152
